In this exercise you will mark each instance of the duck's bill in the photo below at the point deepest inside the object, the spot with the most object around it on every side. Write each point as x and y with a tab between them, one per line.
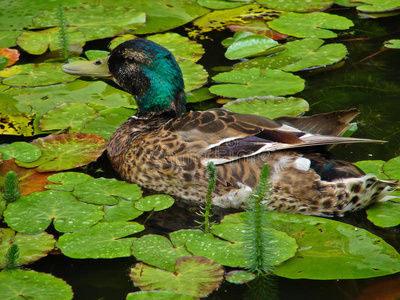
96	68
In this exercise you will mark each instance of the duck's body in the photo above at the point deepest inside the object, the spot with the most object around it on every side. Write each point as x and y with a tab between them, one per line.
167	150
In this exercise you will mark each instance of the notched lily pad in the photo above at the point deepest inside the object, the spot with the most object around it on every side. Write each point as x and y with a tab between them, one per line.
122	211
194	75
239	276
393	44
154	202
67	181
384	214
21	151
104	126
194	276
104	240
155	295
376	6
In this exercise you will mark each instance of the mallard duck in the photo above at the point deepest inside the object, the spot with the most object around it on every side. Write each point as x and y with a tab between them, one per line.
166	149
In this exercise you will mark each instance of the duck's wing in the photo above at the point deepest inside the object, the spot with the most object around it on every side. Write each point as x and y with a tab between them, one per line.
230	136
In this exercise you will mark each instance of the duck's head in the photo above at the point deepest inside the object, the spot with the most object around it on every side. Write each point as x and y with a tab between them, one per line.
143	68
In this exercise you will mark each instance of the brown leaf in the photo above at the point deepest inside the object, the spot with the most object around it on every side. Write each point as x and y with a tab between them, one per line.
11	54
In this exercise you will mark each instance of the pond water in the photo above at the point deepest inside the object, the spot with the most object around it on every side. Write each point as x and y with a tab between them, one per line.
371	85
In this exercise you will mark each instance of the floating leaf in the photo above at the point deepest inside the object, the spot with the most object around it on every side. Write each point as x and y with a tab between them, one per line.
256	82
8	38
16	124
372	167
269	106
257	26
199	95
96	54
122	211
194	74
156	295
28	284
104	240
105	191
31	247
33	213
66	151
154	202
95	21
67	116
222	4
297	5
392	168
67	181
104	126
378	5
313	25
194	276
11	54
35	75
239	276
384	214
21	151
394	44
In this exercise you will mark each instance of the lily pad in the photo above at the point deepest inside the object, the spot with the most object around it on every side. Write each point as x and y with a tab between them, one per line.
31	247
66	181
104	240
269	106
122	211
194	276
394	44
35	75
199	95
34	213
16	124
66	151
105	191
257	26
297	5
68	116
372	167
104	126
384	214
154	202
194	74
222	4
392	168
12	56
28	284
239	276
378	5
256	82
313	25
95	21
21	151
96	54
155	295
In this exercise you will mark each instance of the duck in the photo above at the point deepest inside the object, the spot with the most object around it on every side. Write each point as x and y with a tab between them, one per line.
166	149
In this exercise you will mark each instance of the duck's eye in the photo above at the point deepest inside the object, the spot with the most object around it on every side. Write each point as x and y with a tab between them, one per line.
97	62
130	59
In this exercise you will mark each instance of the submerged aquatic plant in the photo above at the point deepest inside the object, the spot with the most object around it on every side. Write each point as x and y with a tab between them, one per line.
11	259
206	211
63	36
11	191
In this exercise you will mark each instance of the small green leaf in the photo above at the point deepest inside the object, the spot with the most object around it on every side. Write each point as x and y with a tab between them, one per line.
222	4
393	44
239	276
297	5
154	202
67	181
372	167
384	214
22	151
104	126
96	54
378	5
156	295
199	95
122	211
392	168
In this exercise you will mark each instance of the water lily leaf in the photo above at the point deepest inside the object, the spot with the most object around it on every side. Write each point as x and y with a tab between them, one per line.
28	284
122	211
194	75
31	247
33	213
239	276
180	46
35	75
194	276
245	44
96	54
21	151
199	95
95	21
392	168
330	249
384	214
269	106
378	5
104	240
66	151
66	181
297	5
105	191
372	167
167	14
394	44
256	82
67	116
155	295
104	126
8	38
154	202
257	26
313	25
158	251
29	180
12	55
3	62
37	42
16	124
222	4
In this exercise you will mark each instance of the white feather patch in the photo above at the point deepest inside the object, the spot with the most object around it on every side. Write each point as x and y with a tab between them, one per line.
302	164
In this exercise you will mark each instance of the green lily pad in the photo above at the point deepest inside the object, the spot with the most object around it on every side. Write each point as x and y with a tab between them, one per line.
372	167
66	151
28	284
154	202
31	247
297	5
393	44
8	38
239	276
392	168
3	62
269	107
37	42
330	249
104	126
122	211
35	75
104	240
194	74
256	82
194	276
313	25
66	181
199	95
95	21
246	44
155	295
33	213
96	54
105	191
68	116
21	151
180	46
16	124
384	214
378	5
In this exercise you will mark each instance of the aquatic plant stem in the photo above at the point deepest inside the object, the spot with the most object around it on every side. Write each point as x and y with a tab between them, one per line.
63	36
11	191
11	259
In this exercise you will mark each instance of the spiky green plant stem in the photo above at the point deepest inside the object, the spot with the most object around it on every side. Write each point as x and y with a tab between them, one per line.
206	212
11	191
63	35
11	259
